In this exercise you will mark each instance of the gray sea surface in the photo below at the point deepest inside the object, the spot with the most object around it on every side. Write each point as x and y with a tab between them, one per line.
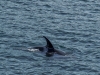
73	26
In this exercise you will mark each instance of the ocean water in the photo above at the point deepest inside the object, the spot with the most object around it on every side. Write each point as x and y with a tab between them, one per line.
73	26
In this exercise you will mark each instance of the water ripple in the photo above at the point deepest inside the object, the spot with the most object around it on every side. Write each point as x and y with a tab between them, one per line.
72	27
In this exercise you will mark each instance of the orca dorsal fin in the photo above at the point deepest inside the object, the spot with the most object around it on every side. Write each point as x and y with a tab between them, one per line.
49	45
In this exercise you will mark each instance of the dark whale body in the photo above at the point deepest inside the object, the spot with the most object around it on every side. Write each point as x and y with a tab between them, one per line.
49	49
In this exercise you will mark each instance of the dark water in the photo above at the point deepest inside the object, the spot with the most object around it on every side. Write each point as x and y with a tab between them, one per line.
73	26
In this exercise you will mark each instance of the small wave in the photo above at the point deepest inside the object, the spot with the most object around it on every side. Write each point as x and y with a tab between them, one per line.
33	50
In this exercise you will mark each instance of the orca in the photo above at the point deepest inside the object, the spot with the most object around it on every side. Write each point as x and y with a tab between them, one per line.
49	49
